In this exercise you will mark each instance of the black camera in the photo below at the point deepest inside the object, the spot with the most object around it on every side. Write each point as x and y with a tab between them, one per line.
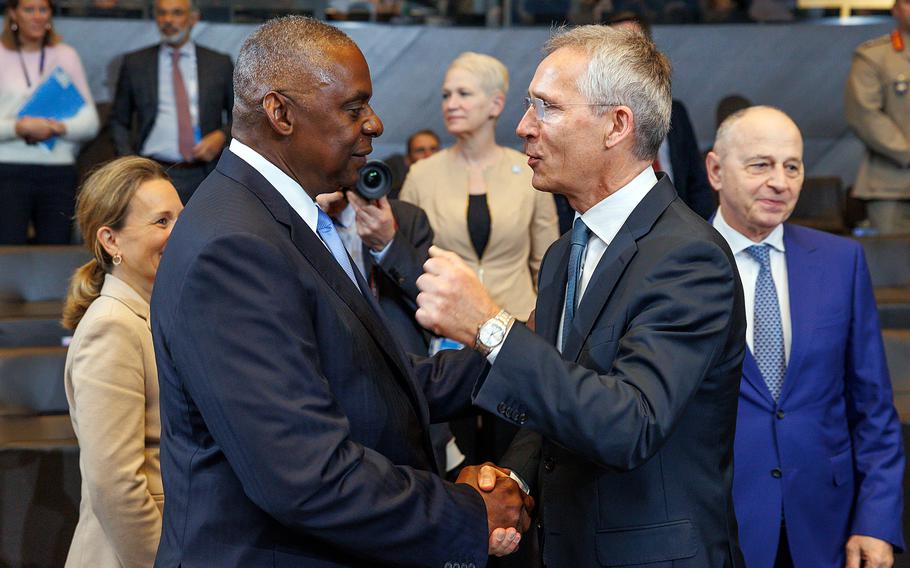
375	180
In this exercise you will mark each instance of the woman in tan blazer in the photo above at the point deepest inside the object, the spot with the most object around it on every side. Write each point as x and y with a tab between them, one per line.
478	195
126	211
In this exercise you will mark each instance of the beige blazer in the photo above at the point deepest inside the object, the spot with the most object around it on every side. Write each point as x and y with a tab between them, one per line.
112	388
877	107
522	222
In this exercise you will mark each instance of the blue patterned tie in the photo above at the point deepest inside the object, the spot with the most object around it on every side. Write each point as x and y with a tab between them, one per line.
326	229
580	234
768	335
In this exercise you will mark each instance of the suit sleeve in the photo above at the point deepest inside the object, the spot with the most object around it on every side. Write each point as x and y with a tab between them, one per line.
109	407
121	117
874	425
403	263
622	417
249	344
863	106
544	230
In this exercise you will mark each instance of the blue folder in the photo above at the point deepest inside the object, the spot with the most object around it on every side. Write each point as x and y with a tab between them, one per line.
56	98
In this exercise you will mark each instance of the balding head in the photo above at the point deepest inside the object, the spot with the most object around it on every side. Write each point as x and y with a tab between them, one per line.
757	169
293	51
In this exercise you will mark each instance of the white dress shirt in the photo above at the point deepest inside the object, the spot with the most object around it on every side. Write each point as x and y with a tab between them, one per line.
162	142
604	220
748	272
296	197
663	154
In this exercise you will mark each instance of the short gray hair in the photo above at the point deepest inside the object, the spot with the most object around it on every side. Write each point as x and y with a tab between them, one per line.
625	68
276	54
489	71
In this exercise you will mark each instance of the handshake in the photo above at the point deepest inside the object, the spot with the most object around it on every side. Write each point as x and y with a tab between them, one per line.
508	507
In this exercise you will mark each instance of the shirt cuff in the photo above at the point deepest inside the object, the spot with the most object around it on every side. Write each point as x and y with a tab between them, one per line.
521	483
379	256
491	357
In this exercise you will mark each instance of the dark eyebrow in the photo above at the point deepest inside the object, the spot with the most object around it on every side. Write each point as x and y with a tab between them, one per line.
358	97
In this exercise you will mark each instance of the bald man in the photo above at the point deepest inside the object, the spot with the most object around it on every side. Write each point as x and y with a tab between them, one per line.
817	454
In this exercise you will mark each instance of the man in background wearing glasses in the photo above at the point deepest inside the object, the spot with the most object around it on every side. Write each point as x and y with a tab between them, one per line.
627	391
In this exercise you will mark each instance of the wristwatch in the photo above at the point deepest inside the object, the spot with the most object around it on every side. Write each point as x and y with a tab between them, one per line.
492	332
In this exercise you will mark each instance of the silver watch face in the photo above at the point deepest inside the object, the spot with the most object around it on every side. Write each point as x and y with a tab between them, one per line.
492	333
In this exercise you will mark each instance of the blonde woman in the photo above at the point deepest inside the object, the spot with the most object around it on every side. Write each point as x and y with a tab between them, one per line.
478	195
126	211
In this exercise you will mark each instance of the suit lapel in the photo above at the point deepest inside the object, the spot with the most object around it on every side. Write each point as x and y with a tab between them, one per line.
804	280
552	290
755	378
204	91
318	256
614	261
151	78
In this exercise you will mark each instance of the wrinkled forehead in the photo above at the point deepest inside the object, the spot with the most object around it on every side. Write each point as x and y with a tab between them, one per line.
559	73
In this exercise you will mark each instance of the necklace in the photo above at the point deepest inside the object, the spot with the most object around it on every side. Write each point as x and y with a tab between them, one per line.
28	80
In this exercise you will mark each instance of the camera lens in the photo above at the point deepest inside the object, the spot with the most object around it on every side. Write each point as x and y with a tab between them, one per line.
372	179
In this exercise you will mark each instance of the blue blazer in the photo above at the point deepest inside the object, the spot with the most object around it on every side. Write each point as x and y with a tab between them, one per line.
294	428
829	453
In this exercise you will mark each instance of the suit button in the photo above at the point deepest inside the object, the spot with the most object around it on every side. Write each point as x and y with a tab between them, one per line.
776	473
401	280
522	418
448	565
780	414
501	408
549	464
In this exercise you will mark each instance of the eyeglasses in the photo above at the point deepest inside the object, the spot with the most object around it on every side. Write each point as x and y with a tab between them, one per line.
541	106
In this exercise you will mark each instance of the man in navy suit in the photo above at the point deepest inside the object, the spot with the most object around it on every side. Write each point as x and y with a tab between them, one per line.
818	453
294	427
627	388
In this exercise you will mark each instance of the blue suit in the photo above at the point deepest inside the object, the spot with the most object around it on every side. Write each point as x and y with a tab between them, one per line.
829	453
294	428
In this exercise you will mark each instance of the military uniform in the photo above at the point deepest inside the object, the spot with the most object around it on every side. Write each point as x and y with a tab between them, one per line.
877	106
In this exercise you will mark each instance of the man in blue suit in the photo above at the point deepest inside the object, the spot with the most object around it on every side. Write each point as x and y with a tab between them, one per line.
818	456
294	428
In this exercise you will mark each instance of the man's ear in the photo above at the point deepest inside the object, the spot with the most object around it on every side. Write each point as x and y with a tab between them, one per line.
277	110
619	125
712	165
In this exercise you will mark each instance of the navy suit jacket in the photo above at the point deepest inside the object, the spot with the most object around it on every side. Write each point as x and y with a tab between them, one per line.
294	428
834	435
137	96
628	434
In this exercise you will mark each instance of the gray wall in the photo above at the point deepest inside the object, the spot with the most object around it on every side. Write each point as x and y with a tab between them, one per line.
800	68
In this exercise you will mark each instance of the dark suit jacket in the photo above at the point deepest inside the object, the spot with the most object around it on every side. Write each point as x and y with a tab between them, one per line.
293	425
137	96
396	277
628	434
834	433
689	176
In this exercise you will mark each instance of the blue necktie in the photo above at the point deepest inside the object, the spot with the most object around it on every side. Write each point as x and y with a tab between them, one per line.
768	333
580	234
326	229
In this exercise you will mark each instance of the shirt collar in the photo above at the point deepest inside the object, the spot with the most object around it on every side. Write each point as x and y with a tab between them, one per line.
608	216
739	242
289	189
186	50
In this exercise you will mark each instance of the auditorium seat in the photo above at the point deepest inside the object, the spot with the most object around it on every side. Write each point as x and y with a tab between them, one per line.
821	205
39	460
889	267
33	284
